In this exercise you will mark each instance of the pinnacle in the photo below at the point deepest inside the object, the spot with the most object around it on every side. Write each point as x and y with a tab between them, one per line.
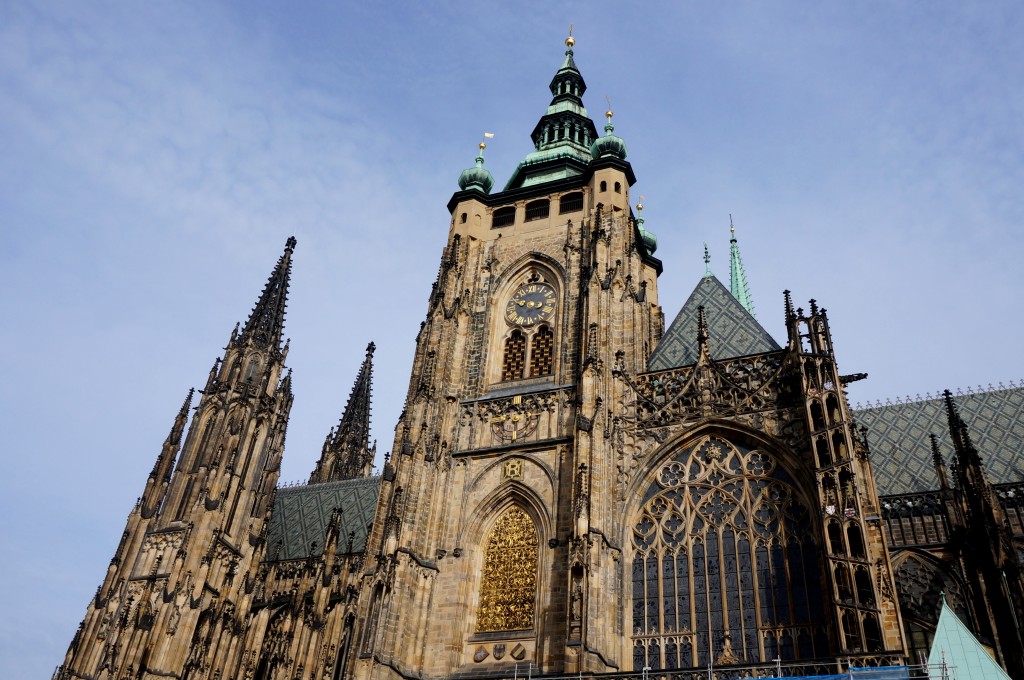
347	449
266	322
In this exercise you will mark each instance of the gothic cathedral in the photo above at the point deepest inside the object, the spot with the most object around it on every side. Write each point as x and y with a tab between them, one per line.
572	489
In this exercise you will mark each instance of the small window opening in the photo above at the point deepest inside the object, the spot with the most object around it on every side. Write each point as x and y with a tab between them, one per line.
618	187
571	203
835	539
824	455
604	185
503	217
538	210
843	588
872	634
462	218
865	593
853	536
852	631
817	416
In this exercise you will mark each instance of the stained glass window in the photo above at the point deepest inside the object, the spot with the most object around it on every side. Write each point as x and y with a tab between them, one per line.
725	568
508	587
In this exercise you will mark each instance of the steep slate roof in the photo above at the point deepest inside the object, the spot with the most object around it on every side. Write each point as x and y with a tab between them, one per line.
901	452
733	331
301	515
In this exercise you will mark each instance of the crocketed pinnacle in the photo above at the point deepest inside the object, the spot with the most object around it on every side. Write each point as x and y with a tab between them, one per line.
737	277
347	452
265	326
966	453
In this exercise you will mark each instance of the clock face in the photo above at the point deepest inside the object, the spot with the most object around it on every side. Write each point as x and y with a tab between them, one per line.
531	304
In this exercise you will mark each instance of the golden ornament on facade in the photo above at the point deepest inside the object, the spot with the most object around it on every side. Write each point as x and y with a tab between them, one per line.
508	587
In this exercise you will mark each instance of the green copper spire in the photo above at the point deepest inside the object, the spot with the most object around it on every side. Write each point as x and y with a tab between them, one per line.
564	134
707	262
649	239
478	177
737	277
609	145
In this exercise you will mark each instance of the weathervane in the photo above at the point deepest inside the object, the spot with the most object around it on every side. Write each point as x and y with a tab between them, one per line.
483	142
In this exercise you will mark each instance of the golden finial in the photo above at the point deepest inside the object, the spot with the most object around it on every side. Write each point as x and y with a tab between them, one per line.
483	142
570	41
640	205
609	113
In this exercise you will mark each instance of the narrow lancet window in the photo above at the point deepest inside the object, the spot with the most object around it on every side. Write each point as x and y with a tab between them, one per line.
540	352
515	356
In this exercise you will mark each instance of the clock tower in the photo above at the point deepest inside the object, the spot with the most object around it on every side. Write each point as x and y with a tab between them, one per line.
496	545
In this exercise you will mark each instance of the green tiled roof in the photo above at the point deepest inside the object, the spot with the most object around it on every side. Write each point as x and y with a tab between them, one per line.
301	514
901	453
954	645
732	331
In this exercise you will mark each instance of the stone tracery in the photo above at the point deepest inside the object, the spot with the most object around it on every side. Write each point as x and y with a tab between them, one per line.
723	547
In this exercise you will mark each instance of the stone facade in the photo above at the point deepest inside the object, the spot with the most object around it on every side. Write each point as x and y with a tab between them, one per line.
564	494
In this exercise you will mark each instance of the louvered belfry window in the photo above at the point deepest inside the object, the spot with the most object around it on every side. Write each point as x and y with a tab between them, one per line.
508	586
540	351
725	566
515	356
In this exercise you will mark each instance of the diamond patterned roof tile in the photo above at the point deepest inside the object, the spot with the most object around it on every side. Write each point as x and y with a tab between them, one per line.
733	331
301	514
901	452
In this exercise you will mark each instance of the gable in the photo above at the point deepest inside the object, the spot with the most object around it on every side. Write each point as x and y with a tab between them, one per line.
732	331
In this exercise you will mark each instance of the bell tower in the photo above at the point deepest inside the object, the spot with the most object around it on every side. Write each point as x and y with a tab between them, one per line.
493	550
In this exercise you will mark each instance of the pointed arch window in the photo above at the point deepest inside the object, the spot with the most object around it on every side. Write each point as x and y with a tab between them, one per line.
725	564
508	587
541	348
515	356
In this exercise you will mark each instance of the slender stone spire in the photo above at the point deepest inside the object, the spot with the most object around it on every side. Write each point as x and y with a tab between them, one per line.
347	453
737	277
265	326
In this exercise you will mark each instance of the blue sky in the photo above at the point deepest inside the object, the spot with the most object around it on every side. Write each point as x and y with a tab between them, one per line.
155	157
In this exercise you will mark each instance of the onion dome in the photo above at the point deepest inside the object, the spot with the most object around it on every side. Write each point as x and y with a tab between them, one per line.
609	145
649	239
478	177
